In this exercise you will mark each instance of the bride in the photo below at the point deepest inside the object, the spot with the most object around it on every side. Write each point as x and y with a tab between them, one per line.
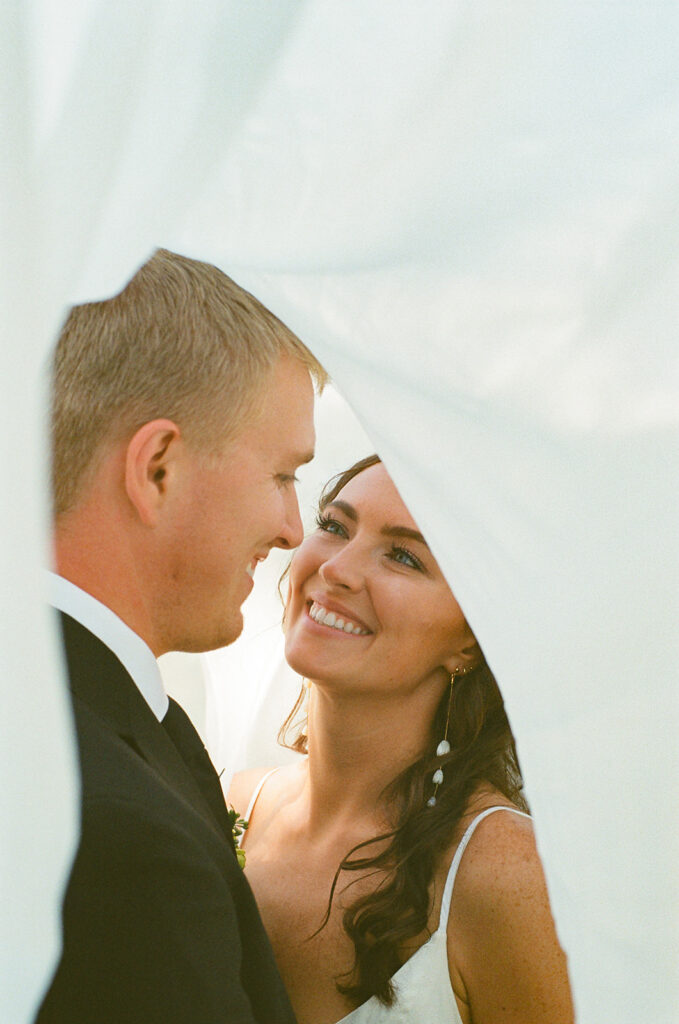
395	866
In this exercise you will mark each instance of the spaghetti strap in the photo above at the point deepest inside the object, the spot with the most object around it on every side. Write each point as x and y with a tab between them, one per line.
257	791
450	880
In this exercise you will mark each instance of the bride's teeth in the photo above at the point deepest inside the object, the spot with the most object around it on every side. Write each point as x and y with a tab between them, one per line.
325	618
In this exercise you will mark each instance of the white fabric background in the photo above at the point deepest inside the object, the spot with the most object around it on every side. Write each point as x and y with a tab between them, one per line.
468	210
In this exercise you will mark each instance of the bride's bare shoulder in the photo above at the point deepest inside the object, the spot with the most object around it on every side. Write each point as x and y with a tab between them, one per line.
502	939
503	843
243	784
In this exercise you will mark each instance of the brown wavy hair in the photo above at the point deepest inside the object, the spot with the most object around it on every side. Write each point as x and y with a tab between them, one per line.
482	752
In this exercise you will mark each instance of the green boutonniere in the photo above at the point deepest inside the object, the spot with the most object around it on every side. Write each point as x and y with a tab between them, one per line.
238	826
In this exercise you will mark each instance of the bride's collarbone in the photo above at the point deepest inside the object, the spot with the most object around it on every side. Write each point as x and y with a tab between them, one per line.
284	824
285	863
292	875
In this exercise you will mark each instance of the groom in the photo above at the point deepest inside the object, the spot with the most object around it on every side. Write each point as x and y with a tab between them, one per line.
182	409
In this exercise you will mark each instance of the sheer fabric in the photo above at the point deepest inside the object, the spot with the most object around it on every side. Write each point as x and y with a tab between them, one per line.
468	211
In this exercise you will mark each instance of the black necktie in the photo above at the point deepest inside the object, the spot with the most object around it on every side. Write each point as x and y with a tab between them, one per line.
189	744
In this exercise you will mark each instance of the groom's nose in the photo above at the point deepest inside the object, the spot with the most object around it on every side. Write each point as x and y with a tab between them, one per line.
291	531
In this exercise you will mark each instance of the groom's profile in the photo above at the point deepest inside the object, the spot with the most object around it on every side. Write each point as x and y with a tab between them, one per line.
181	410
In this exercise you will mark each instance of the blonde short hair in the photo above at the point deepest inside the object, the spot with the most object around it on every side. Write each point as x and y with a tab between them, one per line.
181	341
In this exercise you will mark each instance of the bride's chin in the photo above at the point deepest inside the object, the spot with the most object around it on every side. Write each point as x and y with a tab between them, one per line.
302	666
292	654
301	661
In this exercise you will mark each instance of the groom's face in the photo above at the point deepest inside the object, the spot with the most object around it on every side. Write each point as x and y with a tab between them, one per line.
232	510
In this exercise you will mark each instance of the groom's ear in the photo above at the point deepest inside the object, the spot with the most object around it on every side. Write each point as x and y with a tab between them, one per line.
150	466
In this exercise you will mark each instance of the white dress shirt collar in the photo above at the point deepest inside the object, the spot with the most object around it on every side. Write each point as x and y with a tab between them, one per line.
128	647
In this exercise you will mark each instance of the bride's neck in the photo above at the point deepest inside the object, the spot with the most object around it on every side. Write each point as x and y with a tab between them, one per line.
357	746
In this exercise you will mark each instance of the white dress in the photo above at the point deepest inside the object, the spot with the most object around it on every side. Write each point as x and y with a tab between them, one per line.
424	994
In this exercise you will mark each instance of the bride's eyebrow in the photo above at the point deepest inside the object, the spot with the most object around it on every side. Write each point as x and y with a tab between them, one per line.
344	506
386	531
404	531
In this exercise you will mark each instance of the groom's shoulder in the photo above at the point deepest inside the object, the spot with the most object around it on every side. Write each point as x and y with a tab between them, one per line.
104	754
115	774
129	809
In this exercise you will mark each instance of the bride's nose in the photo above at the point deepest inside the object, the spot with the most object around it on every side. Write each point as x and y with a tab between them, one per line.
345	569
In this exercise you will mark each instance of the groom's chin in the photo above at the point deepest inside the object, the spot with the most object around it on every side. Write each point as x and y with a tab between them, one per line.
228	632
231	633
204	639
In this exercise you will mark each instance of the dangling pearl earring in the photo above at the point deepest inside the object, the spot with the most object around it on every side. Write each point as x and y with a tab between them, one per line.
444	746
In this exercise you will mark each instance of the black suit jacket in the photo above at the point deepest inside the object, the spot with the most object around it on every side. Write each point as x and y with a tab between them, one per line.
160	925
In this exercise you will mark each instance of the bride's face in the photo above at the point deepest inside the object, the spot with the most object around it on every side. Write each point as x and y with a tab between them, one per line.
368	605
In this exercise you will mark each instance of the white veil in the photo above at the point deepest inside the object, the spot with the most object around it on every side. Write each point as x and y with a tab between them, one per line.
468	211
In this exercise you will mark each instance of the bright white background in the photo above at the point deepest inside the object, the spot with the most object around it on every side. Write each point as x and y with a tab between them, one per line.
468	210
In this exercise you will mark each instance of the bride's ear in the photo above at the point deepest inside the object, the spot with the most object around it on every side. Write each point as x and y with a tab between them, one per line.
468	657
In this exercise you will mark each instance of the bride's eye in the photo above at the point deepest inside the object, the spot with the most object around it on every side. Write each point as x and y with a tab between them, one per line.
330	525
405	557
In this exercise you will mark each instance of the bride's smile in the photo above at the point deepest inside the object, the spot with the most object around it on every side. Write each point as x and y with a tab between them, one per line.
327	613
368	602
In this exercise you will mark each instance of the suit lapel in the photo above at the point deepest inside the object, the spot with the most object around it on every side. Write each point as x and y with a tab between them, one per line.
99	680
